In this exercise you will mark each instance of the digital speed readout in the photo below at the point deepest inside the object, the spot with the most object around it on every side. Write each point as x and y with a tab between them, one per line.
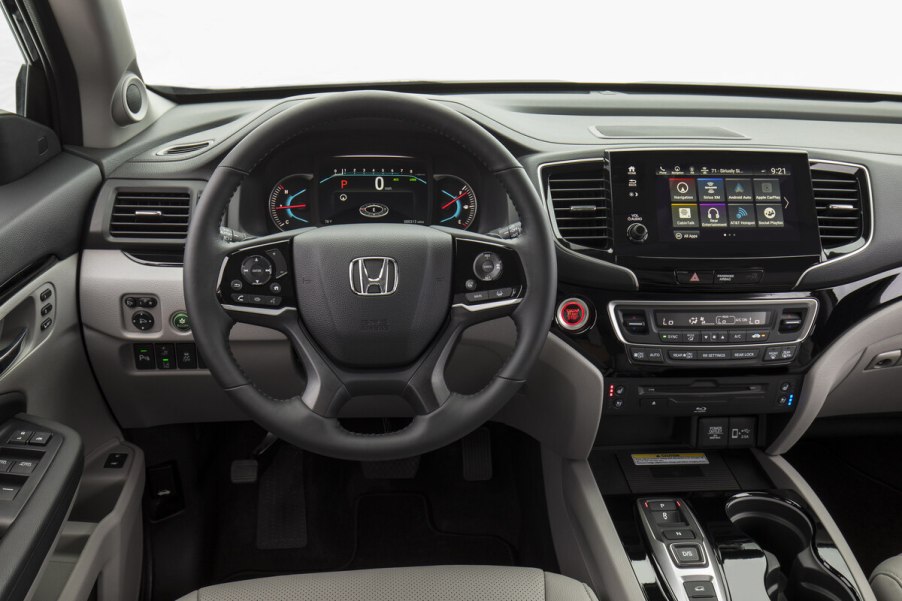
706	319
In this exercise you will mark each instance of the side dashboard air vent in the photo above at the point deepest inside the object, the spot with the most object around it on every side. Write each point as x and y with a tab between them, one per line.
579	198
146	214
841	197
186	148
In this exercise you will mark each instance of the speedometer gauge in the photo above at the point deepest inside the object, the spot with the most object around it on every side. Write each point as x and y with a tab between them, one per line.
455	202
289	206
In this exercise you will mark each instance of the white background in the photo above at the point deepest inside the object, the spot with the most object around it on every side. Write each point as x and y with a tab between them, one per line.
226	43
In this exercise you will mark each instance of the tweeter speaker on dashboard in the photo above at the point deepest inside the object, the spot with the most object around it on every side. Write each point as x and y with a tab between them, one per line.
130	100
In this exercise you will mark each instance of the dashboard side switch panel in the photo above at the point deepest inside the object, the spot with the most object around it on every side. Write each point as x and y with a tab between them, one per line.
115	460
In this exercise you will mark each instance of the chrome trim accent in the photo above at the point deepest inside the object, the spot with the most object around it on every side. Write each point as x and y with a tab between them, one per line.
151	263
362	283
804	332
486	306
258	311
870	200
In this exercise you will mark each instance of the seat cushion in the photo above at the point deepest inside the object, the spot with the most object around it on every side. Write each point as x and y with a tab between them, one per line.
886	580
438	583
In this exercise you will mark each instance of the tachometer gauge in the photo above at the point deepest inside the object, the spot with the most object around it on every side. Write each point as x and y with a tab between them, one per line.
289	206
455	202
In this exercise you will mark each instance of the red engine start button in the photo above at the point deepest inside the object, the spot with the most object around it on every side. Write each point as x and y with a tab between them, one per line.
572	315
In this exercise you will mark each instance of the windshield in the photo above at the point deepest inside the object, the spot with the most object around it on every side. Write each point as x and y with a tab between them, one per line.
209	44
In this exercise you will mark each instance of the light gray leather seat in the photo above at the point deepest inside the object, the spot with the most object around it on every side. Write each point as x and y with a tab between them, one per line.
886	580
439	583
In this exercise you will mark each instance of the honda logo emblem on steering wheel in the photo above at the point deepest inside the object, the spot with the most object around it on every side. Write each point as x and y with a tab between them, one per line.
374	276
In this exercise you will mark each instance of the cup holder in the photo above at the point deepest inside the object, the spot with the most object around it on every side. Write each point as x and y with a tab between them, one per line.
786	534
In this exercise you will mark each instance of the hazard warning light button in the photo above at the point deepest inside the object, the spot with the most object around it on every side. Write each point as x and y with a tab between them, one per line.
695	278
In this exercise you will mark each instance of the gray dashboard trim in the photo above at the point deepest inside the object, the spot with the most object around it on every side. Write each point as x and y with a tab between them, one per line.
832	367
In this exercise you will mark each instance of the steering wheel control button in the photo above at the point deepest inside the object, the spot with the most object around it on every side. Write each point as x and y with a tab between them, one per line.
278	260
488	267
256	270
263	300
165	355
477	297
700	589
470	284
236	285
143	321
179	320
573	315
275	288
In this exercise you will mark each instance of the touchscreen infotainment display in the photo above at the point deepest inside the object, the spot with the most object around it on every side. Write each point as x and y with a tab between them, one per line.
704	203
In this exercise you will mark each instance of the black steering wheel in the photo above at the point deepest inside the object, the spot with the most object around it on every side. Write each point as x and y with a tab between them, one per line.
370	309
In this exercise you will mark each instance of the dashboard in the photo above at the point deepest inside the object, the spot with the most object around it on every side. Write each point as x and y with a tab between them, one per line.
704	275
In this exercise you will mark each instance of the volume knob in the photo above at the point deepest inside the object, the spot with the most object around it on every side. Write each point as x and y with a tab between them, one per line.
637	233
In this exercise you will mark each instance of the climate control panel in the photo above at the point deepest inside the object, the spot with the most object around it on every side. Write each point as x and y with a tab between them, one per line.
713	333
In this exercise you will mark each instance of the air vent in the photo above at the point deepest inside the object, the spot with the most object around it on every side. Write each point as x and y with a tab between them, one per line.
144	214
580	199
186	148
840	196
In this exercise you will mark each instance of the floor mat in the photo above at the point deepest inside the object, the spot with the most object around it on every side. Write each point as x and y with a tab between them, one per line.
858	482
396	529
354	521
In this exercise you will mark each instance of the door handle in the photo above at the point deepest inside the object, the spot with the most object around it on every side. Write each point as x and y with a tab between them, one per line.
9	354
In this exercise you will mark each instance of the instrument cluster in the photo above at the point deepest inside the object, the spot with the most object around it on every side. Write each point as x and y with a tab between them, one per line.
362	189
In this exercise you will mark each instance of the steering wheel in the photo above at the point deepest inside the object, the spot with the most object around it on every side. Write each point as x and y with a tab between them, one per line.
370	309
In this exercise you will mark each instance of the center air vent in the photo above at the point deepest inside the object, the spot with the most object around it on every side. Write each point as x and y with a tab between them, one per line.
840	194
144	214
580	200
